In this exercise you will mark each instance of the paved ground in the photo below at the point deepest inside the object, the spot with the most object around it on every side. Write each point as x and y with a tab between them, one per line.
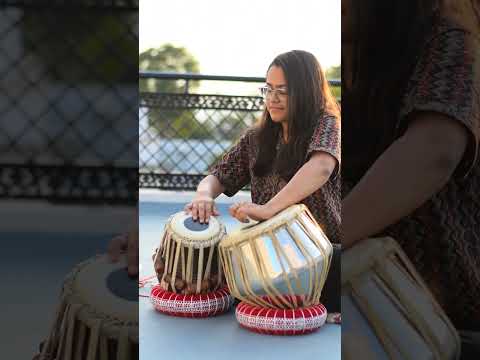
219	337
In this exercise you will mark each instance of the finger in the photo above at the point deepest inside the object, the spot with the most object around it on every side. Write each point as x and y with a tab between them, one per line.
132	253
236	214
242	214
194	211
115	247
201	212
208	212
239	213
215	211
188	208
242	218
233	209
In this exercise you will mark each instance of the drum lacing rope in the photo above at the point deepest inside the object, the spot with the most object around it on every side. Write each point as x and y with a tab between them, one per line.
72	307
143	282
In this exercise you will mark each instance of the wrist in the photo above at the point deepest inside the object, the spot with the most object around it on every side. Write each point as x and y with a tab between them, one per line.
273	207
204	193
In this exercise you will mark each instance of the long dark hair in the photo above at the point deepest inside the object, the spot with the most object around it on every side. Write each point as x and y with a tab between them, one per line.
309	99
387	39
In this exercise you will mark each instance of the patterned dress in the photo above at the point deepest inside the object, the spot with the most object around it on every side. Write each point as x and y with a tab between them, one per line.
234	171
442	237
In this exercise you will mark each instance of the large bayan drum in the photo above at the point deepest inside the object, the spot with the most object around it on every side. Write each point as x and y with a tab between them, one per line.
189	271
285	259
388	311
98	314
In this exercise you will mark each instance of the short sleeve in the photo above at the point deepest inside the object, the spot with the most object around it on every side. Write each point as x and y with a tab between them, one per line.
233	169
327	138
446	80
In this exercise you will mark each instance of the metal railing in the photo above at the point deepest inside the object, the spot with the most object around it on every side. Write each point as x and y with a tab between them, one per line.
183	133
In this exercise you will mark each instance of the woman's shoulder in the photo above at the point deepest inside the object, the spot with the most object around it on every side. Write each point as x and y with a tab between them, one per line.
443	23
459	15
250	133
246	139
446	56
327	133
329	120
444	31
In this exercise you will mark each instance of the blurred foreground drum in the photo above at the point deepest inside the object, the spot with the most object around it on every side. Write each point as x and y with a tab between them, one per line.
189	271
387	310
98	314
286	258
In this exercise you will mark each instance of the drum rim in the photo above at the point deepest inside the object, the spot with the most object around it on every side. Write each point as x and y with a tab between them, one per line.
239	236
111	326
195	243
361	258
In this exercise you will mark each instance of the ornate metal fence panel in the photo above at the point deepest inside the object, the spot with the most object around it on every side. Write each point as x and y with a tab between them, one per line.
69	100
181	135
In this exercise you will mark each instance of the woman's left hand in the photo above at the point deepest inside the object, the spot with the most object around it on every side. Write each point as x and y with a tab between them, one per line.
243	211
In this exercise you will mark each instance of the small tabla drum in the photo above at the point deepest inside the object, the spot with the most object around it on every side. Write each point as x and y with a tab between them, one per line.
388	311
98	314
280	265
189	271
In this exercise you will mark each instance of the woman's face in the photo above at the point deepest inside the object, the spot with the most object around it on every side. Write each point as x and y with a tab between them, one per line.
277	96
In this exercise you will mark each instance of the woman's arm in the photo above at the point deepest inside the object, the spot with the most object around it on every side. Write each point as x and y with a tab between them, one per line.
229	175
210	186
405	176
126	242
309	178
203	206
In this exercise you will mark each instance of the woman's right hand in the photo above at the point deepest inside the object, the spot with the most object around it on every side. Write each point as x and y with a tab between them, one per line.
202	207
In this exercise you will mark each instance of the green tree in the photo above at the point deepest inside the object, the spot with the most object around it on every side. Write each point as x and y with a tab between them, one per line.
335	73
171	123
167	58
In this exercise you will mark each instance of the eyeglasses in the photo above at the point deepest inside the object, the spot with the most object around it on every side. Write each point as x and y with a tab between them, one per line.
268	92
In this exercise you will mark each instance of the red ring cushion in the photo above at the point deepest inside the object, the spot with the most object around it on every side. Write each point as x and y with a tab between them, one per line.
192	306
281	321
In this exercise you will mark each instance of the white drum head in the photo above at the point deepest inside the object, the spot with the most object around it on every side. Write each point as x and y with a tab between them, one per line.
108	289
194	233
